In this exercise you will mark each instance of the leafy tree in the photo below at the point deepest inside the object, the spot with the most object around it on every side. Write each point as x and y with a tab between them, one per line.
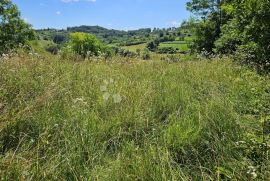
241	27
13	30
153	45
59	38
85	44
248	32
208	30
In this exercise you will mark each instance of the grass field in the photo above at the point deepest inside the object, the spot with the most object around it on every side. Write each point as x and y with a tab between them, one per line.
132	120
181	45
135	47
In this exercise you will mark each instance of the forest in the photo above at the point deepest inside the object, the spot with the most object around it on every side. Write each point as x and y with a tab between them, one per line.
190	102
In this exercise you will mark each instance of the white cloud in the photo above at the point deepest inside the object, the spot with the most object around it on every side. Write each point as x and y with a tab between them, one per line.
58	12
70	1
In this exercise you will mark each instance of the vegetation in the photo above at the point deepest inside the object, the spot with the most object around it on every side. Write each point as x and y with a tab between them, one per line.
233	26
63	120
14	32
138	105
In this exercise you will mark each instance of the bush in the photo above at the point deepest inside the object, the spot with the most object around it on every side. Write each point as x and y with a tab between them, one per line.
53	49
85	45
167	50
251	54
153	45
146	54
107	52
230	39
59	39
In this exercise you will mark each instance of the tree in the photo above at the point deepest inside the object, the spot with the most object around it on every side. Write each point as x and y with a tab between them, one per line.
13	30
250	26
212	16
59	38
86	44
153	45
240	27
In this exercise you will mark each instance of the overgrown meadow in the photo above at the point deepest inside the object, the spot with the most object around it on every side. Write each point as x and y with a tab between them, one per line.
129	119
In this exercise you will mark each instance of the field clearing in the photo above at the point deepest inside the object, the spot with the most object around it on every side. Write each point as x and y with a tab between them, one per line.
127	120
135	47
181	45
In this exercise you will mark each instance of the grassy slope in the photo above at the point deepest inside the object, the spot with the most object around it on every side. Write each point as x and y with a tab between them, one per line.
135	47
174	121
181	45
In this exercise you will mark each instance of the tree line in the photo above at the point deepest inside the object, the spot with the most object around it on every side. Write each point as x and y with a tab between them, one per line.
238	27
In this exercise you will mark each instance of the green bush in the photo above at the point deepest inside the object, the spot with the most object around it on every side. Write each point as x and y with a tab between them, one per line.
53	49
146	54
230	39
167	50
85	45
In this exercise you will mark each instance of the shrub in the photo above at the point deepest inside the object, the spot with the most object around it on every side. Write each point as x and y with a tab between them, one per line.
230	39
85	45
251	54
146	54
167	50
53	49
153	45
107	52
59	39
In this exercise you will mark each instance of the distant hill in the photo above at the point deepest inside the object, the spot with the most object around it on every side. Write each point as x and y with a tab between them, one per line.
107	35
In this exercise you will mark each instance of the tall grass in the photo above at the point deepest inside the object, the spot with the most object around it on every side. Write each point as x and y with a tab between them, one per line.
132	120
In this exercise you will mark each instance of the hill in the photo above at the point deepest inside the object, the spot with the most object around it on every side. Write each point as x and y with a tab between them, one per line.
109	36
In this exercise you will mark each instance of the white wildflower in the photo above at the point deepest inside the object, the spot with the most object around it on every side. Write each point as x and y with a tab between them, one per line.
117	98
105	82
106	96
111	81
80	100
103	88
252	171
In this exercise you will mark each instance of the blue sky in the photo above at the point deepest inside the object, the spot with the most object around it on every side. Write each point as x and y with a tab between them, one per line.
113	14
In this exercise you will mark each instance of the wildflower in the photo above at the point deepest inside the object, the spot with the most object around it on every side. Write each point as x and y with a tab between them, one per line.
103	88
111	81
80	100
240	143
106	96
105	82
252	171
117	98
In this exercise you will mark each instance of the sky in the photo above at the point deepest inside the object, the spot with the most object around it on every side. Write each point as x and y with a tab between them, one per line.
112	14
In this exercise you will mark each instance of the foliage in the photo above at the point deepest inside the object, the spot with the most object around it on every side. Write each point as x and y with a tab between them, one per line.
85	45
234	26
153	45
146	54
53	49
251	23
167	50
14	32
59	39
